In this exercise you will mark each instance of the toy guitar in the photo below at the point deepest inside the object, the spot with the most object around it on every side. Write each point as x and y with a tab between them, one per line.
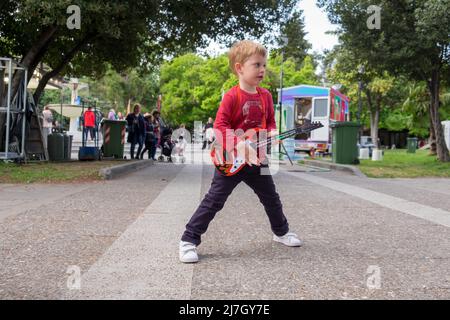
229	166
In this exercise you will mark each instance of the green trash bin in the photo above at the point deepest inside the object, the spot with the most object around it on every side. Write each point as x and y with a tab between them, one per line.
113	132
55	146
345	140
412	145
68	147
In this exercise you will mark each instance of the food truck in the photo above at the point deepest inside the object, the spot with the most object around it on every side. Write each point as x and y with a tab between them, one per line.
312	103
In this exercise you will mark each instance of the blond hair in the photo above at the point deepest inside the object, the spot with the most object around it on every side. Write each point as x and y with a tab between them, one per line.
241	51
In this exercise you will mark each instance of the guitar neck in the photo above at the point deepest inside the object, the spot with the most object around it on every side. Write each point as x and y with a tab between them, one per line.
281	136
284	135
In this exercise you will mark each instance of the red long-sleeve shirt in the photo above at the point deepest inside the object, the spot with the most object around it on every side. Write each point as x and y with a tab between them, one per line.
247	115
89	118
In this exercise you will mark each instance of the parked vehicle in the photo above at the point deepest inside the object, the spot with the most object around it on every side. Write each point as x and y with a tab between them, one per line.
311	103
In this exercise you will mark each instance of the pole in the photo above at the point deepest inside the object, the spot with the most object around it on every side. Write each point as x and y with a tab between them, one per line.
61	113
361	71
82	117
359	110
24	110
96	131
8	109
281	98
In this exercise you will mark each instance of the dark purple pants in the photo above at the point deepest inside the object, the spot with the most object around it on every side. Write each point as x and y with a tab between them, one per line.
221	188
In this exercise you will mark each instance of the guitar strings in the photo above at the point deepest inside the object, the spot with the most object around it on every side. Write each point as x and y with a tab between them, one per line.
287	133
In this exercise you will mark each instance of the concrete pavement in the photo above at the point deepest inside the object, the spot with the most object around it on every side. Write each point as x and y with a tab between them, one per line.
15	199
364	239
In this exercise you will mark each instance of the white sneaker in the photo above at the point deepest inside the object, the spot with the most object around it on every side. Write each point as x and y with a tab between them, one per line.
188	252
289	239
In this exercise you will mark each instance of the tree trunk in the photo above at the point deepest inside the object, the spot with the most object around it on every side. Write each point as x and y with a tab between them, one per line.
34	55
29	61
374	120
433	151
441	147
45	37
65	60
371	109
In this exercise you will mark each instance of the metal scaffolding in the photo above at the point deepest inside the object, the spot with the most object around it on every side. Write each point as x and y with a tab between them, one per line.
12	109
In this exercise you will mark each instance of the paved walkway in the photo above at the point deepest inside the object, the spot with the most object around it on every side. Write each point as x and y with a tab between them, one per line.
364	239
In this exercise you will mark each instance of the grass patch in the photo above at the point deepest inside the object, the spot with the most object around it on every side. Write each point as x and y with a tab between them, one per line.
53	172
400	164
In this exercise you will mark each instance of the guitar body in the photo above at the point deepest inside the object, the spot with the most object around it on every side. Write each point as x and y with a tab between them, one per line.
230	163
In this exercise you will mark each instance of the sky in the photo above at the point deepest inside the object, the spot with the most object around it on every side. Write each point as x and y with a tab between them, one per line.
316	24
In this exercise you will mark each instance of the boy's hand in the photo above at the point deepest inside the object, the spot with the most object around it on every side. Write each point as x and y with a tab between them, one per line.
247	152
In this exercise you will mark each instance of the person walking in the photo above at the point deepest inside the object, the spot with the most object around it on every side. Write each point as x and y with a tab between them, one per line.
136	130
149	136
47	124
208	133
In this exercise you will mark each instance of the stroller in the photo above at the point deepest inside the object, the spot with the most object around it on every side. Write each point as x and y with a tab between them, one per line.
167	145
180	147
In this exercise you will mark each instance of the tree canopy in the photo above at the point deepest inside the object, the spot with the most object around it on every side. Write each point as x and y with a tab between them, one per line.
413	40
192	86
124	33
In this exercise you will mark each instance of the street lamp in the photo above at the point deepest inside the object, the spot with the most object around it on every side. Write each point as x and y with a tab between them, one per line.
361	71
284	42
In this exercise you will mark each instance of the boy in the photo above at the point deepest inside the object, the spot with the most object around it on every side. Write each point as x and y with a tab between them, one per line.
246	107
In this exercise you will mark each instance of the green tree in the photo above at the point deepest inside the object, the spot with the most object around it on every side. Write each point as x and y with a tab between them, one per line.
179	78
297	46
293	74
124	33
216	78
131	86
193	86
342	68
413	40
376	91
417	105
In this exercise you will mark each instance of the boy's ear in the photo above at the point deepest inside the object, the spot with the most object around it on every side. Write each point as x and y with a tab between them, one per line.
238	67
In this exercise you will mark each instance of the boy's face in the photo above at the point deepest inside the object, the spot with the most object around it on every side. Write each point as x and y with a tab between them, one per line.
253	70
